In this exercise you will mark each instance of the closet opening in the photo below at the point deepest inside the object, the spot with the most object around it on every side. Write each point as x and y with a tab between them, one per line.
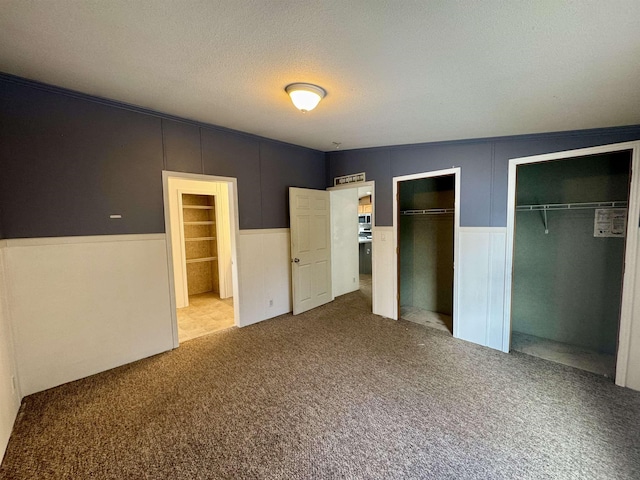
426	232
569	243
201	222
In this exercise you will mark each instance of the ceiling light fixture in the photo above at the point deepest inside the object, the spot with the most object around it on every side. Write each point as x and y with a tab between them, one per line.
305	96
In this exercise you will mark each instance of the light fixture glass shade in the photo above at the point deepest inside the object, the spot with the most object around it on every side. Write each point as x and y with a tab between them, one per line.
305	96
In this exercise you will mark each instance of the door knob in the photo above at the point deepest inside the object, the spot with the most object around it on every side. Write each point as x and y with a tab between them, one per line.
297	260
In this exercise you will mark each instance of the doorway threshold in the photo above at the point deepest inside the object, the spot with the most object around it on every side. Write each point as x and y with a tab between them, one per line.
439	321
564	353
206	314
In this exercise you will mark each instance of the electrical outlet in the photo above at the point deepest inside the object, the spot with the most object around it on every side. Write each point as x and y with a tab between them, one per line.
271	303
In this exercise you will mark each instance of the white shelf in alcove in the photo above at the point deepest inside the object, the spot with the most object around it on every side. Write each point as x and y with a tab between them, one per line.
199	239
199	207
207	222
204	259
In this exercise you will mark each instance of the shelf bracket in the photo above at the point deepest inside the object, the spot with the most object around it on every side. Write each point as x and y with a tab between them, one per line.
546	223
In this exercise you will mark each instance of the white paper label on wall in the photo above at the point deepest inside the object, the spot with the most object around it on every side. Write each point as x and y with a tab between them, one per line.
355	178
610	222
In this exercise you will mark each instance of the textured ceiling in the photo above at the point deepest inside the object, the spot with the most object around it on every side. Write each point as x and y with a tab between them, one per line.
396	72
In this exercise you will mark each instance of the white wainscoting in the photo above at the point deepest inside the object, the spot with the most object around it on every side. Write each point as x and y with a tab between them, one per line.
265	274
9	389
481	277
384	276
82	305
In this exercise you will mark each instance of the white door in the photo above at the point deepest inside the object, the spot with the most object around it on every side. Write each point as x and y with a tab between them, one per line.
309	212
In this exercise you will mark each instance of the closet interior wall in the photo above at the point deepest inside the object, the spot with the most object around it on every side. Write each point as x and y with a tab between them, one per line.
567	283
426	244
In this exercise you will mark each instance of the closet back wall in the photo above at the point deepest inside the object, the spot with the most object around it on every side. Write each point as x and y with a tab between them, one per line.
69	161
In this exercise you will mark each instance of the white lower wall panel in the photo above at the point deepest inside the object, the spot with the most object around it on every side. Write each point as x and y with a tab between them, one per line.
265	274
481	269
9	388
385	278
82	305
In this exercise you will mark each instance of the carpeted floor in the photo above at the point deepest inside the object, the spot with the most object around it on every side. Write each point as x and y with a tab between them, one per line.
333	393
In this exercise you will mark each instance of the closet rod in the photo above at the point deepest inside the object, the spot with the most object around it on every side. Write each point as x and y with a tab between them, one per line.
571	206
431	211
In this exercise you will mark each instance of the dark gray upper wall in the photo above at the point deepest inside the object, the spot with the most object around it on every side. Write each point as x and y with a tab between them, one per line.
67	164
68	161
484	166
304	168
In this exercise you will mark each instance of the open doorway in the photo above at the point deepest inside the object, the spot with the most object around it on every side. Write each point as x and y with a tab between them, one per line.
209	305
427	221
595	256
365	241
201	222
568	260
425	234
352	224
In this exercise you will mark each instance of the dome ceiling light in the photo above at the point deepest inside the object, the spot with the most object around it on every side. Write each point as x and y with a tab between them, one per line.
305	96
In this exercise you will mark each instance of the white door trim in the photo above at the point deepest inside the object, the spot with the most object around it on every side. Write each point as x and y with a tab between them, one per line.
456	236
232	184
628	286
374	258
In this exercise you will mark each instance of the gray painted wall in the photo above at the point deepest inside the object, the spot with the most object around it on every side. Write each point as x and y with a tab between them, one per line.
426	245
567	284
484	165
68	161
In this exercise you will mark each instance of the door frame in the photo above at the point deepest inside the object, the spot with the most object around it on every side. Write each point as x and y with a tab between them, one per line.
234	230
455	171
374	258
631	244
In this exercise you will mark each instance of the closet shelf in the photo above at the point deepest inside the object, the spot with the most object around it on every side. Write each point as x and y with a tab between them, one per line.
203	259
430	211
571	206
208	222
199	239
199	207
567	206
